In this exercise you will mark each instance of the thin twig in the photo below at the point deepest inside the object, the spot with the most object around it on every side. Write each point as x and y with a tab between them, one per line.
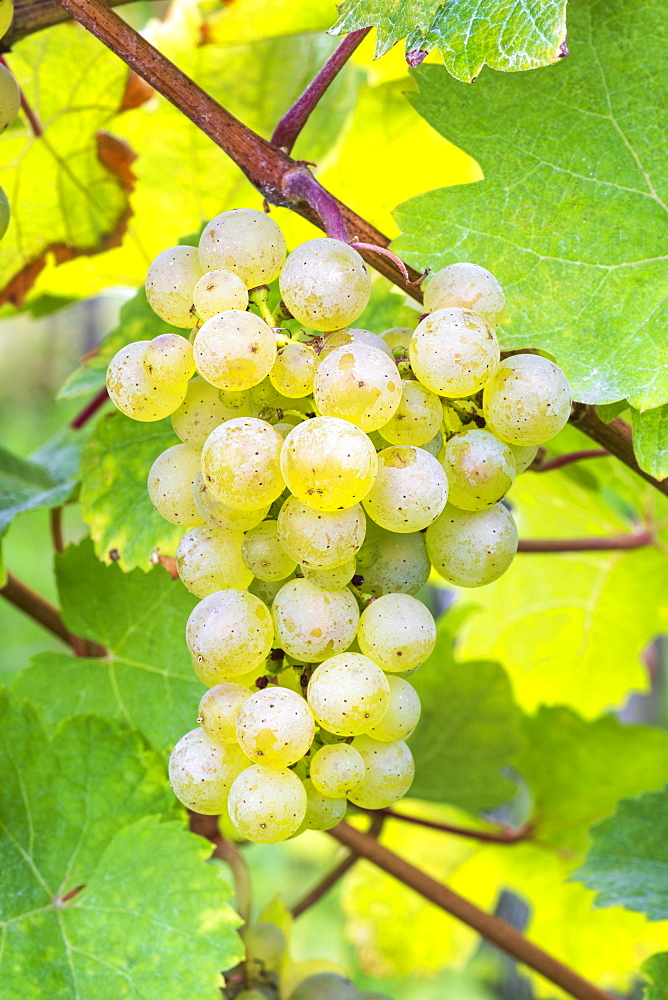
227	851
299	184
634	540
34	122
572	456
56	524
90	409
505	835
48	616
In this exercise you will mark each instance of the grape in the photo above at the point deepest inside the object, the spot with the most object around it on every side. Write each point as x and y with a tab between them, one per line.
418	417
331	579
294	370
326	986
6	16
10	97
311	623
354	335
454	352
524	455
472	548
209	559
241	463
169	361
328	463
170	485
228	633
409	491
397	336
389	771
468	286
235	403
349	694
201	772
267	804
325	284
200	412
337	768
234	350
322	811
217	291
396	563
246	242
266	590
320	539
264	555
435	446
170	283
480	469
251	995
218	515
403	713
358	383
131	389
275	727
528	401
397	632
218	710
266	944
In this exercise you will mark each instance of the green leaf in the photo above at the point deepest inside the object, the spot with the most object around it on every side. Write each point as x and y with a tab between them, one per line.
650	440
45	480
468	36
655	971
146	680
570	215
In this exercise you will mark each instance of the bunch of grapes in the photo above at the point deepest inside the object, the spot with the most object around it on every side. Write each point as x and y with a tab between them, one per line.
323	471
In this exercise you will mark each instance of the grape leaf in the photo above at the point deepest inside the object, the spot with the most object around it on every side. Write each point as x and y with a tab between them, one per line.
655	971
650	440
570	216
45	480
254	20
468	36
147	679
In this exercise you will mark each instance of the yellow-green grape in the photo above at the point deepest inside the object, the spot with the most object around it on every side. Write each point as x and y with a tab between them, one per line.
10	98
397	336
234	350
294	370
263	554
331	579
402	715
241	463
236	403
524	455
6	16
217	291
266	590
336	769
218	710
418	417
471	548
246	242
397	632
169	360
468	286
528	401
200	412
348	694
389	772
170	485
325	284
391	563
322	811
4	213
435	446
480	469
201	772
219	515
330	464
264	395
358	383
267	804
326	986
320	539
410	490
354	335
266	944
275	727
133	391
454	352
209	559
311	623
229	633
170	283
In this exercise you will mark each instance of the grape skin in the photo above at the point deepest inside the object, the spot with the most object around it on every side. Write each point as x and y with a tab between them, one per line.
246	242
325	284
358	383
218	710
472	548
170	485
480	469
326	986
310	623
348	694
322	811
418	417
209	559
410	490
266	590
337	768
234	350
468	286
320	539
389	773
169	361
528	401
133	392
453	352
265	943
217	291
354	335
217	514
241	463
10	94
397	632
228	633
264	555
524	455
397	336
201	772
275	727
170	283
331	579
294	370
267	804
402	715
200	412
397	563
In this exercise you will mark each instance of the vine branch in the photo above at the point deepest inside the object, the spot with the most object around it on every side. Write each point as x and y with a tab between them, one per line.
616	437
547	465
48	616
90	409
634	540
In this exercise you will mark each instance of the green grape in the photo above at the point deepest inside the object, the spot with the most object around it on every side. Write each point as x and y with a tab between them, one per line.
418	416
218	710
397	632
294	370
410	490
468	286
524	455
336	769
201	772
131	389
435	446
4	206
389	772
325	284
235	403
246	242
275	727
326	986
397	336
170	283
267	804
358	383
217	291
310	623
320	539
348	694
480	469
169	360
251	995
454	352
328	463
10	97
209	559
396	563
234	350
528	401
266	944
263	554
6	16
219	515
354	335
322	811
241	463
170	485
200	412
229	633
403	713
331	579
266	590
472	548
